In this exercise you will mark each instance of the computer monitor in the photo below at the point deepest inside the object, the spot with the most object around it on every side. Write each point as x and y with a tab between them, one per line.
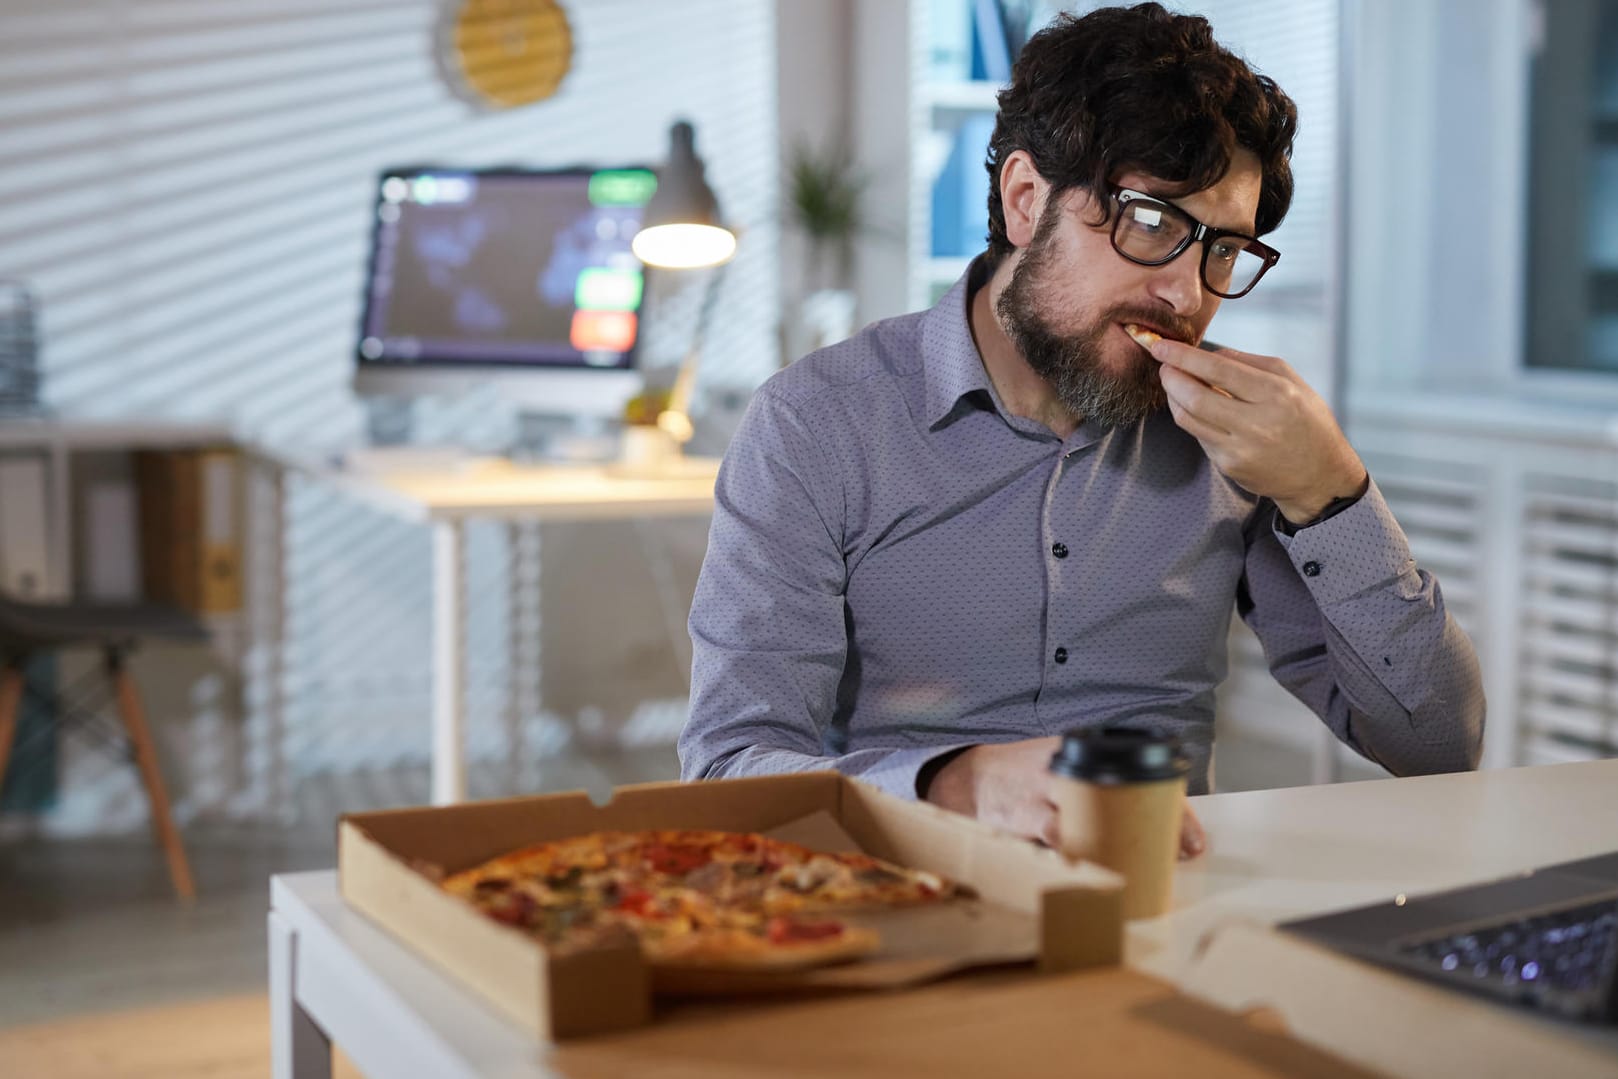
519	278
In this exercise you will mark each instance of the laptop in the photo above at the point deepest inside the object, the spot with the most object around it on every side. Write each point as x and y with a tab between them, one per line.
1547	939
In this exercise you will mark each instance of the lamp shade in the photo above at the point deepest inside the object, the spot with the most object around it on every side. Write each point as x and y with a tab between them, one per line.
680	227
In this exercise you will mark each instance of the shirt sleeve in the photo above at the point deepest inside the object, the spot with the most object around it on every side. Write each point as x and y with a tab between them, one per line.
1351	627
768	631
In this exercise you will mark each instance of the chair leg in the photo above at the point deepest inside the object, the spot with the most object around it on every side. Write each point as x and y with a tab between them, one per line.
11	683
129	709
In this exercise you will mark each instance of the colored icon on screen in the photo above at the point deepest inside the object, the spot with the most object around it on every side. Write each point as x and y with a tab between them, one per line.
601	289
611	331
622	187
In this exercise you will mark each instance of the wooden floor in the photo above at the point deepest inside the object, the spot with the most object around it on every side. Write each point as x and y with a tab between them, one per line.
103	974
203	1039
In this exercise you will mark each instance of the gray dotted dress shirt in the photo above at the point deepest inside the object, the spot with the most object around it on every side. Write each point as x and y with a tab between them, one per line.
899	567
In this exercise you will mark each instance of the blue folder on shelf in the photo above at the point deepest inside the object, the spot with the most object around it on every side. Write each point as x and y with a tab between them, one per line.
960	198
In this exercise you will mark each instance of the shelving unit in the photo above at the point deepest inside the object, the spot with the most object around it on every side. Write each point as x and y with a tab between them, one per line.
940	107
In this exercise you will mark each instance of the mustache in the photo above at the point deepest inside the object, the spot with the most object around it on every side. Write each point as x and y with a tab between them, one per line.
1167	323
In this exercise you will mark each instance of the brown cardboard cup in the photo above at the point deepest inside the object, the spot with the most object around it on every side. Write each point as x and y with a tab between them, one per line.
1119	794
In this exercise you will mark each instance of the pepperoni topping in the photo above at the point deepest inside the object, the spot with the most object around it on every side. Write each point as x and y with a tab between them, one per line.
517	908
677	858
638	901
786	930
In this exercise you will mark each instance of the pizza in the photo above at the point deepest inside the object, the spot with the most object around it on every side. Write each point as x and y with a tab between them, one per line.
709	899
1141	335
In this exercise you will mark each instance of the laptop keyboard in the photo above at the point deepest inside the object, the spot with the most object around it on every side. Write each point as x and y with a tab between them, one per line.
1564	961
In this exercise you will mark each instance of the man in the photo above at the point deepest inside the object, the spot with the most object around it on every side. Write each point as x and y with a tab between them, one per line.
1033	507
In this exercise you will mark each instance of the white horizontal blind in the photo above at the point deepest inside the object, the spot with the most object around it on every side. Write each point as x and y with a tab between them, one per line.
1569	620
187	184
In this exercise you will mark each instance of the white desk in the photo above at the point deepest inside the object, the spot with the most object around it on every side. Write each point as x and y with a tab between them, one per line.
334	977
1282	854
485	489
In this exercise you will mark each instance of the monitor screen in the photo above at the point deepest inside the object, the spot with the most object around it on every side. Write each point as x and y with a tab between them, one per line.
504	269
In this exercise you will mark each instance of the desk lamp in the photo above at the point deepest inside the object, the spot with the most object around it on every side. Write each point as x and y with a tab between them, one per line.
680	230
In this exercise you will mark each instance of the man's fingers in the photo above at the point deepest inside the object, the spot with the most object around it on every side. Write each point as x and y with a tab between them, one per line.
1193	840
1190	417
1050	827
1275	365
1203	401
1226	371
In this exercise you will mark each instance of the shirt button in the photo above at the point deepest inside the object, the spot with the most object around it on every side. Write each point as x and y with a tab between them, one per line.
1059	550
1311	569
1061	655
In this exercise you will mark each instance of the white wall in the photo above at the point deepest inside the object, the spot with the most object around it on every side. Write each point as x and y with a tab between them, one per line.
187	185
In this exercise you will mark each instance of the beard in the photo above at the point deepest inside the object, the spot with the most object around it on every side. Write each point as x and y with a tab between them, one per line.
1074	362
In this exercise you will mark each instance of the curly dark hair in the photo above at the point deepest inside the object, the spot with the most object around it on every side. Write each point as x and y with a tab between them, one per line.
1138	88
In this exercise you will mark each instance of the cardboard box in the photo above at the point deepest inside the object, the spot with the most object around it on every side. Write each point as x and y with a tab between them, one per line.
1390	1022
190	534
389	863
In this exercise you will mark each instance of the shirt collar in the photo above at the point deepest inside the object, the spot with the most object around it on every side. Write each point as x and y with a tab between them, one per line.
950	362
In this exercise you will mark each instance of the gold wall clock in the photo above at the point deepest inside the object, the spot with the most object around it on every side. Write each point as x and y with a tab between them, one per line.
500	54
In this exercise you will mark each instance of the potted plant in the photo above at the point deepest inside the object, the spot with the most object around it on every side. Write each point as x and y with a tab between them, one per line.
825	192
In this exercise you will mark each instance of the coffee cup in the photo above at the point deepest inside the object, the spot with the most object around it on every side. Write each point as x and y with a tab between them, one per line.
1119	796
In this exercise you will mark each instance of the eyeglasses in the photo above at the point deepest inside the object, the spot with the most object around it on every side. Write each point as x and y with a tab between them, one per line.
1151	232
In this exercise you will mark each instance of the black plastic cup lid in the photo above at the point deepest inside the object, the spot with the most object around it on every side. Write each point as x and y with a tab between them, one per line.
1119	755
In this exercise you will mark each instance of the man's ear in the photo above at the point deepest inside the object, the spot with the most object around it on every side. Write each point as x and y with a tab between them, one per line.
1022	197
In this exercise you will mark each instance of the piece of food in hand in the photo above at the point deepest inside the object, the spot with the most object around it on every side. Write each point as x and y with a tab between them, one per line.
1144	337
1141	335
722	900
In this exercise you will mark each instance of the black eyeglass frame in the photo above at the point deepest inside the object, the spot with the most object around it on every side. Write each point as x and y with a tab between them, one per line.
1122	196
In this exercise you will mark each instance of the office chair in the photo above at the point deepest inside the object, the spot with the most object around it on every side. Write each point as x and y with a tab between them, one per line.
27	629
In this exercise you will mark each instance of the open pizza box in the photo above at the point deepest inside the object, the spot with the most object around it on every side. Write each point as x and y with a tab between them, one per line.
1030	906
1383	1020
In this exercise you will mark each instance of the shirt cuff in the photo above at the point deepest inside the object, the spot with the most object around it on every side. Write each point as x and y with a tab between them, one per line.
897	772
1361	548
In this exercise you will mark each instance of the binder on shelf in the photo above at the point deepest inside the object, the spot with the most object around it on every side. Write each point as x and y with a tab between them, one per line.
190	541
25	535
110	518
960	196
991	53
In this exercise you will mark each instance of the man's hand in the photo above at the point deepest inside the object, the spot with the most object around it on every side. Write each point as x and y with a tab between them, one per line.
1262	426
1008	786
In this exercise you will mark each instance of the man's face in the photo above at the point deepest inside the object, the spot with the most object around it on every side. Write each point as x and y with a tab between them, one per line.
1070	296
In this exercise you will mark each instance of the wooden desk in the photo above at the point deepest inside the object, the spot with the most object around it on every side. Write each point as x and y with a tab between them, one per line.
335	977
447	497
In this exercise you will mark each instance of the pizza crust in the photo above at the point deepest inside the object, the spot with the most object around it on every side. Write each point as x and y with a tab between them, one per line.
1141	335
